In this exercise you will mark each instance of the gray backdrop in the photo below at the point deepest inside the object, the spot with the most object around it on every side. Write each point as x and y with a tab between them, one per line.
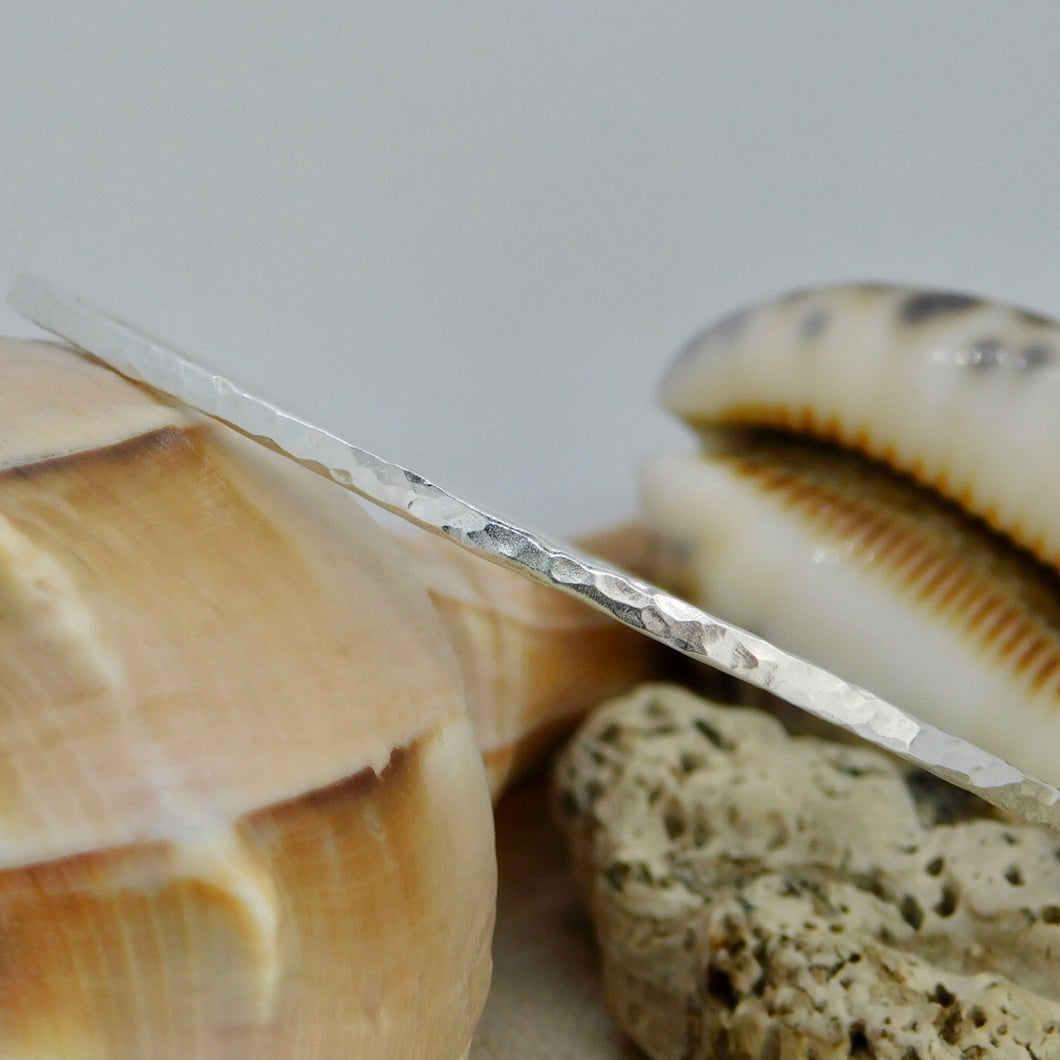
470	235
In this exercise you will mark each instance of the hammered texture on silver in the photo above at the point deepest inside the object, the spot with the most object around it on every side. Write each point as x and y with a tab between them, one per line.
635	603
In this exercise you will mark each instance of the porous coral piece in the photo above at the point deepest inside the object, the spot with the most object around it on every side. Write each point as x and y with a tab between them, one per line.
763	897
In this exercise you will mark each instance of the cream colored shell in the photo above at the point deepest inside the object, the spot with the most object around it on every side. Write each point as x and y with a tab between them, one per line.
881	569
242	809
957	391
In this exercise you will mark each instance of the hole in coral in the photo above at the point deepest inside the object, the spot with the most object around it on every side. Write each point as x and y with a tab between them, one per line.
949	1027
946	906
720	988
935	867
1014	875
941	996
616	874
674	822
700	832
911	912
689	763
1051	914
654	709
848	769
714	738
568	804
860	1049
593	791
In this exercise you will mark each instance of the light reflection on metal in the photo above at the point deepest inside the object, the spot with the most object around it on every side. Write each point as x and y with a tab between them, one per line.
636	603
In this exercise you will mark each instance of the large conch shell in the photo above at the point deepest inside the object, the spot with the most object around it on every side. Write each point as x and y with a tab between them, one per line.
243	810
864	450
242	731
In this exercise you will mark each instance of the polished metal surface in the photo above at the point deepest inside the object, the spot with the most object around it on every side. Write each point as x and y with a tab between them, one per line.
636	603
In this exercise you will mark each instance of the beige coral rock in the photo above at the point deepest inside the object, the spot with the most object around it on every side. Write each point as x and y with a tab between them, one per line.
242	807
761	896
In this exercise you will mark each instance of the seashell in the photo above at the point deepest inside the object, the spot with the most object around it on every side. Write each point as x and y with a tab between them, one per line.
243	810
534	661
878	492
958	392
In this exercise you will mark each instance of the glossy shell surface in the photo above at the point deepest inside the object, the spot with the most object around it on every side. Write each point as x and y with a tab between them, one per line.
959	392
924	572
243	811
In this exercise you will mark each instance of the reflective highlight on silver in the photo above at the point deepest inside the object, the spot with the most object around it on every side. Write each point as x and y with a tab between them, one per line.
636	603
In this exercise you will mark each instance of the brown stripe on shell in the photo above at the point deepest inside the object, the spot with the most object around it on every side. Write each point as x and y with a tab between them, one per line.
797	422
956	389
127	451
364	783
804	423
927	548
199	639
227	940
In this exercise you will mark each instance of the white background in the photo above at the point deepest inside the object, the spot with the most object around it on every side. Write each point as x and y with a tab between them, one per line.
471	235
